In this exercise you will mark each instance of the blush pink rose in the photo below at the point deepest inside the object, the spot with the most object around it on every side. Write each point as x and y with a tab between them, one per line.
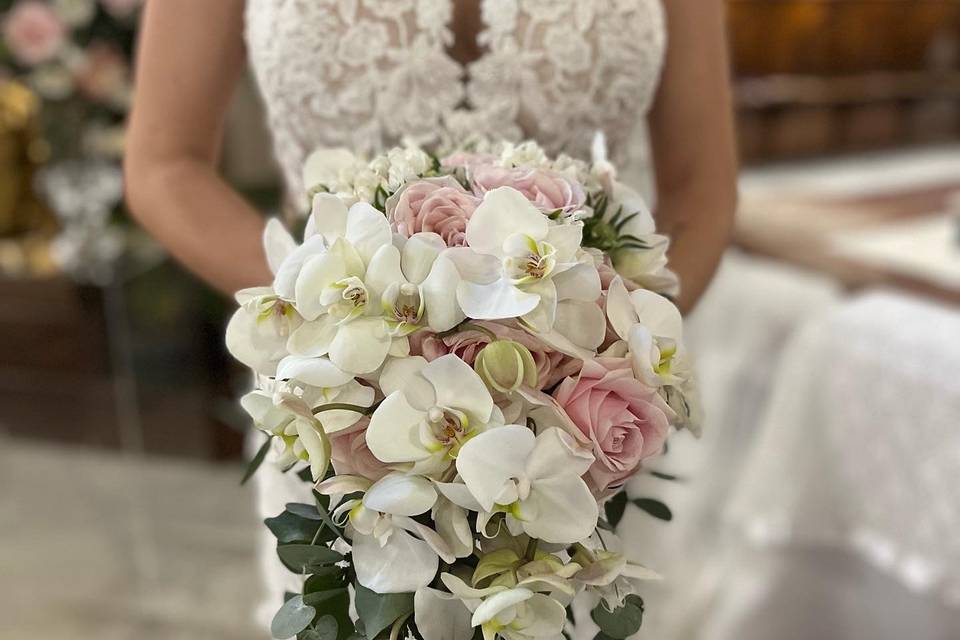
623	420
552	366
350	455
33	32
437	205
547	190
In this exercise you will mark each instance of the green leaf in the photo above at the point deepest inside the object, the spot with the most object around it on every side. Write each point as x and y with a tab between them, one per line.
303	558
307	511
257	461
378	611
289	528
655	508
317	599
292	618
665	476
620	623
614	508
324	579
326	628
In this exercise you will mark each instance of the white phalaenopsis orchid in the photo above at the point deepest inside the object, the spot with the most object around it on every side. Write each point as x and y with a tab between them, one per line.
520	265
516	614
607	571
534	480
392	552
318	382
258	332
430	411
363	295
651	327
299	436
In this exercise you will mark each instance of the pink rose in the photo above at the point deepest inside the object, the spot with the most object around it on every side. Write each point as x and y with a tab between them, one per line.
623	420
350	455
103	75
33	32
437	205
552	366
547	190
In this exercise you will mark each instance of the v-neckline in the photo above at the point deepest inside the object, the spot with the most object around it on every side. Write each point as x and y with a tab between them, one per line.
468	42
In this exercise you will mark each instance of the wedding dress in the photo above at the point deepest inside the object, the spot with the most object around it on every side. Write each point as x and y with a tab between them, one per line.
366	74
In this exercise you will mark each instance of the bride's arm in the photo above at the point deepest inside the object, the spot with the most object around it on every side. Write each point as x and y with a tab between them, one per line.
691	129
190	57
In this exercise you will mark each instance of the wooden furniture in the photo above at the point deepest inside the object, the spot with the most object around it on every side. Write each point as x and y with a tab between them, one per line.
821	76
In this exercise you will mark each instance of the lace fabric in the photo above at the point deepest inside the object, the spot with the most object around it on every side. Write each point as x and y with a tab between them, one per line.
365	74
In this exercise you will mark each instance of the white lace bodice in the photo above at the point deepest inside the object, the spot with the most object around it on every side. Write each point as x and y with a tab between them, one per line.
363	74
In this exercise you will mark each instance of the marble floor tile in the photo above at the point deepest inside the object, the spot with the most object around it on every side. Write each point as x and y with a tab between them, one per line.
102	545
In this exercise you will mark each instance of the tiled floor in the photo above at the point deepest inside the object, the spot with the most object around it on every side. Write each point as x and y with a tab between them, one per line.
94	545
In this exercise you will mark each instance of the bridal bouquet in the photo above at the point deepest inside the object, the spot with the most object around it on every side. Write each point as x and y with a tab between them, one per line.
468	355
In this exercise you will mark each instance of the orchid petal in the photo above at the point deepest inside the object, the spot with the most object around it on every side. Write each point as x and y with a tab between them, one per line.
465	592
394	431
496	301
557	453
620	309
659	314
400	494
580	282
254	343
402	565
583	323
488	461
543	617
324	165
503	212
441	616
498	602
439	291
458	386
316	372
459	494
418	255
367	230
278	244
398	372
566	239
360	346
313	338
383	271
284	282
328	218
566	510
342	485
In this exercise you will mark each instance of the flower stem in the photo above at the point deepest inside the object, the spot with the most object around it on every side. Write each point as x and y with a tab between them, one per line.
343	406
531	552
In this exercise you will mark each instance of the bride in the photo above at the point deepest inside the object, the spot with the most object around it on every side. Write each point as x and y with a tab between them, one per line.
364	74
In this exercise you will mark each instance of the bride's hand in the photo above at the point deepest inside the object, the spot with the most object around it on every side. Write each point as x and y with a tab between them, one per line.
190	57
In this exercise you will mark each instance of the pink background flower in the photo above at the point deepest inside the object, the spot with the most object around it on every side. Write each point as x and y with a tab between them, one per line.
624	421
438	205
547	190
350	455
33	32
552	366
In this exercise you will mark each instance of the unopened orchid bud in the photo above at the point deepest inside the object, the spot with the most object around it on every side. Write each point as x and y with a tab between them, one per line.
505	366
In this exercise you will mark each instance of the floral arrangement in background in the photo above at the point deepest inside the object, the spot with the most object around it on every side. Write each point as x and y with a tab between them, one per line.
76	56
468	355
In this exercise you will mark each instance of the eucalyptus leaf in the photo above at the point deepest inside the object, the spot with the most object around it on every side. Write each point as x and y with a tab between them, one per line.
621	623
307	511
318	599
614	508
303	558
289	528
378	611
257	460
665	476
655	508
325	579
326	628
292	618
